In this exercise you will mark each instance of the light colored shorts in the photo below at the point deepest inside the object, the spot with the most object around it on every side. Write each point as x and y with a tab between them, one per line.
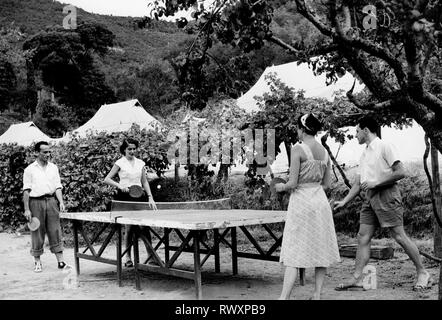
383	207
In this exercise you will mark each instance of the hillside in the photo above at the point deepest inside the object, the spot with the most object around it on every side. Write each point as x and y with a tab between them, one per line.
31	16
135	53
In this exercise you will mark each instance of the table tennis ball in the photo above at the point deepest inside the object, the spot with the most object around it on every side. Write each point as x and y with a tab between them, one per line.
159	187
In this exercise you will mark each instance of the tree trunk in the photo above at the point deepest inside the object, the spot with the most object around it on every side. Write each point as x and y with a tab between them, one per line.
223	172
437	195
440	281
177	175
31	90
288	149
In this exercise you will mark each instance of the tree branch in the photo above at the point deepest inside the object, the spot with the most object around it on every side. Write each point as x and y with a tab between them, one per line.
427	57
429	256
308	52
367	46
432	102
372	106
360	63
430	181
324	143
376	85
310	16
358	43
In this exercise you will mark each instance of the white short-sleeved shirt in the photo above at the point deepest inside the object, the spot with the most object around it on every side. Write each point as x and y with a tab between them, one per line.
130	172
376	161
41	180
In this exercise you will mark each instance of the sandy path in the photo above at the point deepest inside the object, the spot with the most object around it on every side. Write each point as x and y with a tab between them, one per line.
256	279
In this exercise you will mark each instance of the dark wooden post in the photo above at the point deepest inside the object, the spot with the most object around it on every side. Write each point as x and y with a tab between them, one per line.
177	172
437	195
216	240
197	263
119	263
135	236
234	251
76	245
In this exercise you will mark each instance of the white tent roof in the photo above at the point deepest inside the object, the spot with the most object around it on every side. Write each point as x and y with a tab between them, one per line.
118	117
298	77
24	134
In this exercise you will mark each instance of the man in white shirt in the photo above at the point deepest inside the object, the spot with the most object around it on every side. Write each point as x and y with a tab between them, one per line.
41	191
380	169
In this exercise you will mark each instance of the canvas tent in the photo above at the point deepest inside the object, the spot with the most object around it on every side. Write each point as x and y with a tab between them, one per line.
298	77
118	117
24	134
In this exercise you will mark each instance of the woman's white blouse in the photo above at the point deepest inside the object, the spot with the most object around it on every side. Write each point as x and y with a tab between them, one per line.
130	172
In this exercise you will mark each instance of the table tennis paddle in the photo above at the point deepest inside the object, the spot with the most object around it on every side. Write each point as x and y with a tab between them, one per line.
34	224
135	191
274	182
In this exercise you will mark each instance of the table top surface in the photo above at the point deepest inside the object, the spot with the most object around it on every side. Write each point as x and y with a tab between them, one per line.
201	219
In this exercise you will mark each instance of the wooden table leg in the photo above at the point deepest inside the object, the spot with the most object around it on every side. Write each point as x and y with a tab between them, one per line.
197	264
216	249
136	257
166	244
302	276
234	251
119	263
76	258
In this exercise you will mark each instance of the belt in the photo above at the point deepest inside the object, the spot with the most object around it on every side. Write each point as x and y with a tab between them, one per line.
45	196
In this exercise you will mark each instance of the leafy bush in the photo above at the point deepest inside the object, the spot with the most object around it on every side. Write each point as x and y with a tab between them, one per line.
83	164
13	160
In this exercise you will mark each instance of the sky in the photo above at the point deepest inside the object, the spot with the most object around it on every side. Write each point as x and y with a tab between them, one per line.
132	8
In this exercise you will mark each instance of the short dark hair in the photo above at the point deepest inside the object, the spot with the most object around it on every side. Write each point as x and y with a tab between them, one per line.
39	144
312	124
126	143
370	123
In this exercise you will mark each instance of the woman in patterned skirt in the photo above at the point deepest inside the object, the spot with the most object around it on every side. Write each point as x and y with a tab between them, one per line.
309	239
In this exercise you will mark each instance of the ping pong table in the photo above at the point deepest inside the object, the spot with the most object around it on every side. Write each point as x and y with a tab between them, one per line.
190	227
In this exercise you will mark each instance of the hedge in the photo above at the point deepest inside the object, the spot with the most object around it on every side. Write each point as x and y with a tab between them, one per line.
83	164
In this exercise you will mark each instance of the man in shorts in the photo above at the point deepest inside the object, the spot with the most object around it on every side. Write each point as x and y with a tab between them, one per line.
379	171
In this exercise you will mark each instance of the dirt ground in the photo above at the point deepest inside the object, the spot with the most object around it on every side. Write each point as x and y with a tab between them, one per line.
256	280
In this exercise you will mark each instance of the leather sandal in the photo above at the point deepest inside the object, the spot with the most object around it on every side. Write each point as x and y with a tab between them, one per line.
423	282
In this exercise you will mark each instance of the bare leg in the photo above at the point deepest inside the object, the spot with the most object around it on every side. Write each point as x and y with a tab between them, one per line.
365	234
290	276
362	256
319	280
398	234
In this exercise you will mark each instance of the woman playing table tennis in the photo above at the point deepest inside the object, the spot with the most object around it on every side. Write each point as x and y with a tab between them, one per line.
309	239
131	172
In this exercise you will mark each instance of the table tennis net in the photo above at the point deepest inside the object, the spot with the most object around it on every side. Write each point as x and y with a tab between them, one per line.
218	204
